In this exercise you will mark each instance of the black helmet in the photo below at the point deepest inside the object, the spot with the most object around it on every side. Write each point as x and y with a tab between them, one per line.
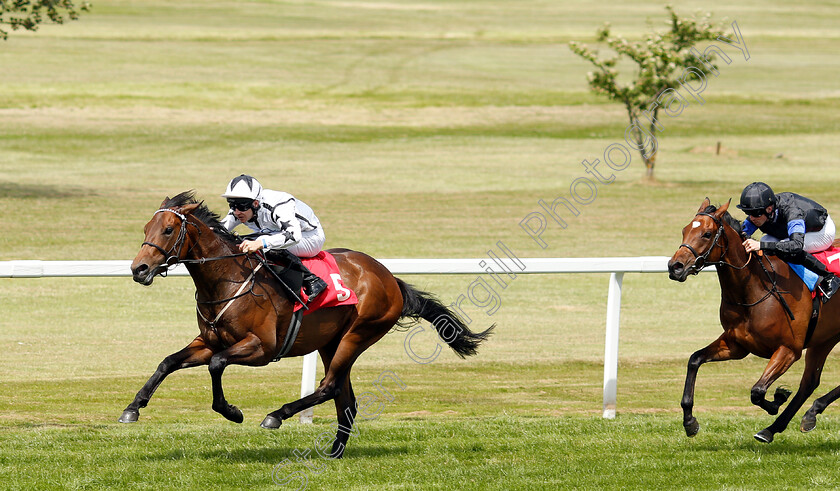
757	197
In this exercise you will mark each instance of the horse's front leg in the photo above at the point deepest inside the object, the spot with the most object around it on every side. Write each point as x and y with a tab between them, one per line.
721	349
814	361
249	351
194	354
779	363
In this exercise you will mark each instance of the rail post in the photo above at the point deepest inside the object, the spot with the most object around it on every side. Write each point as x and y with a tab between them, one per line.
611	345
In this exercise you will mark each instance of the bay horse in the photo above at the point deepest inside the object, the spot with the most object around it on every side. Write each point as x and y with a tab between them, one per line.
252	316
765	310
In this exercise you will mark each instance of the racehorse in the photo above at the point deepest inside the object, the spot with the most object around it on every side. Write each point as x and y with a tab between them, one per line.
765	310
252	316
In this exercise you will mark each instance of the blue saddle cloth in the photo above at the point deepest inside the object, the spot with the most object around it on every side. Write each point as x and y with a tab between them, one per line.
809	277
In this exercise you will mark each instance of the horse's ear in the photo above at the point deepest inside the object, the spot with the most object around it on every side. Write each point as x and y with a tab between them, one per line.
720	211
187	209
705	204
163	203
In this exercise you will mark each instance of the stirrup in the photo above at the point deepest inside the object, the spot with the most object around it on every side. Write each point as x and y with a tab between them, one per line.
828	287
314	287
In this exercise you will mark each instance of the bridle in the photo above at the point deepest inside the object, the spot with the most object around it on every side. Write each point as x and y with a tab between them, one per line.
173	255
772	291
704	257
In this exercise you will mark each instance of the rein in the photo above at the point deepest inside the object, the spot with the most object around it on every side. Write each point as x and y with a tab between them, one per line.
173	257
773	289
251	279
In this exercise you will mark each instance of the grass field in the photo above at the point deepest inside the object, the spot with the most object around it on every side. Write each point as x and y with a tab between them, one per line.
414	129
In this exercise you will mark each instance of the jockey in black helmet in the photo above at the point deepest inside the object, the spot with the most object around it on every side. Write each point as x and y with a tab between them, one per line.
795	227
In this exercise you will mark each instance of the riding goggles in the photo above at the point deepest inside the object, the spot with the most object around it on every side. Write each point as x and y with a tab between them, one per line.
240	204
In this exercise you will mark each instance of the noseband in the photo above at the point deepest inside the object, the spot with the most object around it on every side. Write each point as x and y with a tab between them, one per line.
173	255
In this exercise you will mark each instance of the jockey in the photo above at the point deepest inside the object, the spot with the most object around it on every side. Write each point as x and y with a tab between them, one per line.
286	224
796	227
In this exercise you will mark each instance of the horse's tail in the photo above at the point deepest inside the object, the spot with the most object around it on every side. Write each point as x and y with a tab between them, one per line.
418	304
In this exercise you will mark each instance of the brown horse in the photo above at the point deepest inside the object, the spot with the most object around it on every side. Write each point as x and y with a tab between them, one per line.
252	316
756	294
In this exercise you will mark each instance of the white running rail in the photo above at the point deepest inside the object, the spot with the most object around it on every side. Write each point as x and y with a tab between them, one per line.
616	266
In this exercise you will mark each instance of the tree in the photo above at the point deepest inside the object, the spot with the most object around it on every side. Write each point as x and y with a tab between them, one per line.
29	14
661	58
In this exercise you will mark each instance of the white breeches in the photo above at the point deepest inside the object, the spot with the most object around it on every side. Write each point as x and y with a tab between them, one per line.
310	243
817	241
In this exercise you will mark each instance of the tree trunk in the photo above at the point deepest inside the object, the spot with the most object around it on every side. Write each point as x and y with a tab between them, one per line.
650	163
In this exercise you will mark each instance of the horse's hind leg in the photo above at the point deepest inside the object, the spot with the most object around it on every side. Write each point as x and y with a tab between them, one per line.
345	407
779	363
809	419
194	354
335	384
328	389
814	361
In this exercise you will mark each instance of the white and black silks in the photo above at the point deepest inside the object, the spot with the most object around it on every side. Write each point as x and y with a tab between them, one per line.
284	222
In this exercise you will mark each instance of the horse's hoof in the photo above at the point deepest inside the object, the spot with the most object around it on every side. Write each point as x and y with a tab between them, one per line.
129	416
271	422
781	395
764	436
234	414
809	422
692	427
230	412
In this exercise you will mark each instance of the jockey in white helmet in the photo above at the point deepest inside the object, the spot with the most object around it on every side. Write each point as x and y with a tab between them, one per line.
283	222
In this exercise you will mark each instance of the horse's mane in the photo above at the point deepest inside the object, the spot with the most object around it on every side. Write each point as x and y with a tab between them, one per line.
729	219
206	215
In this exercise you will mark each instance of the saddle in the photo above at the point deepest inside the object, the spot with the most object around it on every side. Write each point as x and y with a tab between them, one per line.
322	266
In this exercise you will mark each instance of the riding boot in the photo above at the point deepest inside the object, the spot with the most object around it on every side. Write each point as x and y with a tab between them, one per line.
313	285
829	284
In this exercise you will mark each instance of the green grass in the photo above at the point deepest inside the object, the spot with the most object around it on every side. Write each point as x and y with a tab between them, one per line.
414	129
495	452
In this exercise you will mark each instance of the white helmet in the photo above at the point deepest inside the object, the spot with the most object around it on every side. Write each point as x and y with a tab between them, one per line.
243	186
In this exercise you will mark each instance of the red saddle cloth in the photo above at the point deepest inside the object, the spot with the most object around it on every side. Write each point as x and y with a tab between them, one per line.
831	258
323	264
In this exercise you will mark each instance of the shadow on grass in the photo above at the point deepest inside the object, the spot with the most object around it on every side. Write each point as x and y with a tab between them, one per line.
810	445
280	453
40	191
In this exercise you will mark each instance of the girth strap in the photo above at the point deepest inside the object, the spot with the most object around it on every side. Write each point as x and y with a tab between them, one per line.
812	324
291	335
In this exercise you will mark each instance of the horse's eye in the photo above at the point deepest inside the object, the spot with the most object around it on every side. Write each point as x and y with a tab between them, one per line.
168	230
707	235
